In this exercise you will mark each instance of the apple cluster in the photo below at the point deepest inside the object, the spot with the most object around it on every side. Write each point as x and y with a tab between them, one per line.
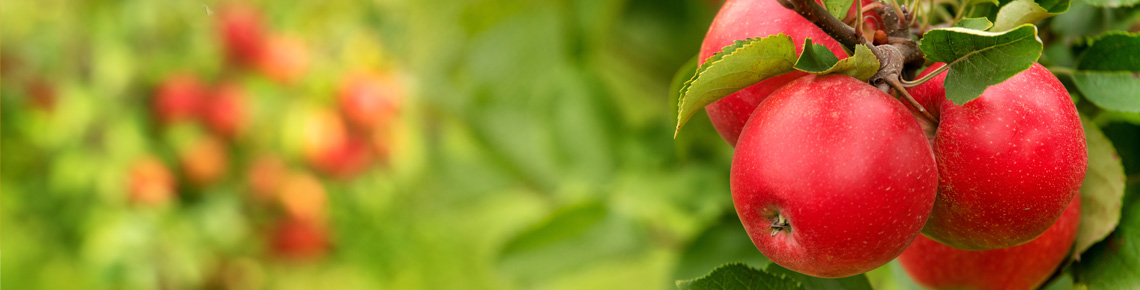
340	141
832	177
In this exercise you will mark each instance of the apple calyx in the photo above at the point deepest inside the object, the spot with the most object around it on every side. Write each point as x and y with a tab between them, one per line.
780	225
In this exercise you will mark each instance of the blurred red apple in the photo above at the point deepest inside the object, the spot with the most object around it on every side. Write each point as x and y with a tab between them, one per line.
204	162
239	26
226	112
302	197
265	175
178	98
369	100
284	59
150	182
346	159
299	239
42	94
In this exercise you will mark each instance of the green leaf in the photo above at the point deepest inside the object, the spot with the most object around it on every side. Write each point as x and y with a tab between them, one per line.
857	282
680	78
838	8
1112	3
815	58
1101	191
978	2
1020	12
1108	72
980	59
737	276
1112	263
736	67
862	65
977	23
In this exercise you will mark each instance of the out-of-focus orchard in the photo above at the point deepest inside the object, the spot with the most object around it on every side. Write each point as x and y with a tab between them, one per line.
351	145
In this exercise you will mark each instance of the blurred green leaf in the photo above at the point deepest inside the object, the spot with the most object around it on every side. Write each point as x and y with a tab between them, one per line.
1020	12
1108	72
723	242
838	8
1101	191
1111	263
980	59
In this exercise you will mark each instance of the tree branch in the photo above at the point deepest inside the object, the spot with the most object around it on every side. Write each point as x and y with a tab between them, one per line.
835	28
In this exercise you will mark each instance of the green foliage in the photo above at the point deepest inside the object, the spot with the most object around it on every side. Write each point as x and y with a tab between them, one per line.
1111	264
862	65
1108	72
1020	12
838	8
976	23
735	67
738	276
1101	192
979	59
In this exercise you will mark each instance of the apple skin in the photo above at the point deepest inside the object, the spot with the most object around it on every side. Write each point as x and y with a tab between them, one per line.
284	59
743	19
848	168
204	162
1023	266
178	98
1009	162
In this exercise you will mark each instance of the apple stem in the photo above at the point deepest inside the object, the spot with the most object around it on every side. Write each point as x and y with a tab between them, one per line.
923	79
898	55
913	103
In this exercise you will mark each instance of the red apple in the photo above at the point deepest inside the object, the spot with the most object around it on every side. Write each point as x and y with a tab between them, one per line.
178	98
743	19
1024	266
204	162
299	239
226	112
1009	162
832	177
368	100
284	59
42	93
322	131
151	182
239	27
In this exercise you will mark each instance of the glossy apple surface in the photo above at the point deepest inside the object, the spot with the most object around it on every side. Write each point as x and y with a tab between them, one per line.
743	19
1025	266
844	164
1009	162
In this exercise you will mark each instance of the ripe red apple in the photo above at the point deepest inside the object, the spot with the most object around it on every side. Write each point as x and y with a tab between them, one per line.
150	182
242	35
226	111
204	161
368	100
743	19
322	130
832	177
284	59
178	98
298	239
1023	266
1009	162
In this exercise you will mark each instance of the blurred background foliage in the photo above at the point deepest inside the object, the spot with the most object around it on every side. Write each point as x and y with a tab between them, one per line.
522	145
